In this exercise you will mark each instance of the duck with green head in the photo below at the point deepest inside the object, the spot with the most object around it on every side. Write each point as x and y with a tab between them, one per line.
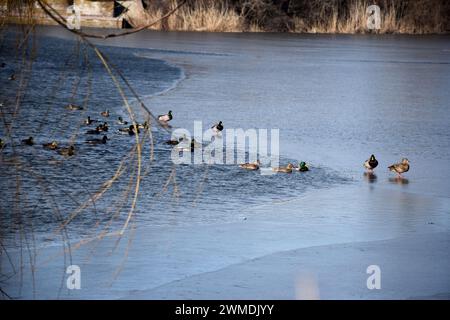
371	163
302	167
130	130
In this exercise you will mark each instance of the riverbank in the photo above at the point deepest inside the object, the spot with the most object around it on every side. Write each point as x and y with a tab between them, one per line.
325	17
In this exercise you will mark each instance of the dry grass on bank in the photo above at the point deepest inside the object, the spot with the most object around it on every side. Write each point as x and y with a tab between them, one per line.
420	18
202	16
406	16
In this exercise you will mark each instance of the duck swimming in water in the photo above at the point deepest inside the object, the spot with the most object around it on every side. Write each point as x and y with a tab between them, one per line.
89	121
371	163
105	113
217	128
287	169
130	130
51	145
67	152
400	168
74	107
302	167
186	146
12	77
95	131
98	141
165	117
2	144
174	142
103	127
250	165
122	122
28	142
143	125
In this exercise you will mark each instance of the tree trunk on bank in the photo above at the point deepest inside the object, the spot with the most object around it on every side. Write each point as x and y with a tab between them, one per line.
136	15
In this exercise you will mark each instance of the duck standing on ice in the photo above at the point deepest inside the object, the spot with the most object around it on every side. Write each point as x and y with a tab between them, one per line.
371	163
400	168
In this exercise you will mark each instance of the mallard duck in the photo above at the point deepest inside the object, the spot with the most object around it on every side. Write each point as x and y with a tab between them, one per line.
103	127
287	169
122	122
174	142
95	131
218	127
28	142
51	145
12	77
251	165
74	107
143	125
165	117
186	146
2	144
371	163
67	152
105	113
302	167
400	168
98	141
130	130
89	121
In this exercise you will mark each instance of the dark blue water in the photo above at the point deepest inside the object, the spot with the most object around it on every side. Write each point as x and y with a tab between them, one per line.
44	194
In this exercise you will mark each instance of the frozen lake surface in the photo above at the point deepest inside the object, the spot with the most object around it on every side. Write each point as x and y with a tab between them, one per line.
335	100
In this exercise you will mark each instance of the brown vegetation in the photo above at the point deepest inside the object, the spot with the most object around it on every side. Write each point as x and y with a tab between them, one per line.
303	16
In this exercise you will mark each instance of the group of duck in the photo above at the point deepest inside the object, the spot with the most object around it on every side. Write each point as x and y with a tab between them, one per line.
370	164
102	127
181	143
398	168
217	129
